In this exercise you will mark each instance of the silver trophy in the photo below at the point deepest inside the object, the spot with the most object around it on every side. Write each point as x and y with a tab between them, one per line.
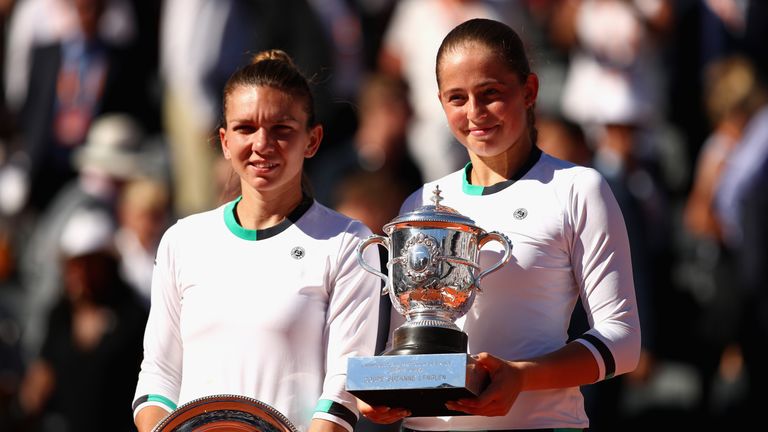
434	277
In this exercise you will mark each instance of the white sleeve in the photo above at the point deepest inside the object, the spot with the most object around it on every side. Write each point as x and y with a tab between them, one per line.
351	325
602	268
160	375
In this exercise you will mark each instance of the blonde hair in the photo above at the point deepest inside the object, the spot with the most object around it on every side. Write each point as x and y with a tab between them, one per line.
731	87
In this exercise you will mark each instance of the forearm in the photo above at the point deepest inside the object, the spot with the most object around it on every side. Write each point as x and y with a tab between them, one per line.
320	425
571	366
148	417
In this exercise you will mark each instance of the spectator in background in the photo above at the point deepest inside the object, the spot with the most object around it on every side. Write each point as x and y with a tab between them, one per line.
564	140
114	153
143	213
739	204
35	23
380	143
73	81
82	379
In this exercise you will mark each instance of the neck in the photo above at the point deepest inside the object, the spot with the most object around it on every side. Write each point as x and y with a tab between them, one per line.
487	171
263	210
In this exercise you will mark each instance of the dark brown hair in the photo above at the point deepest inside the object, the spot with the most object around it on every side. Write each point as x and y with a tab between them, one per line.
501	40
272	68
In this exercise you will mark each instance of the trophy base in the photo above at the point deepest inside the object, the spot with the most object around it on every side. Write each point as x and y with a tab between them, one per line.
421	383
427	340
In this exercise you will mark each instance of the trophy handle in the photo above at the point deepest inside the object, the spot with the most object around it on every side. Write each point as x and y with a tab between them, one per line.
373	239
501	238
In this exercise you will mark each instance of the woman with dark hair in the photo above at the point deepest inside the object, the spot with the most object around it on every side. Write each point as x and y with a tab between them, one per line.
569	244
261	297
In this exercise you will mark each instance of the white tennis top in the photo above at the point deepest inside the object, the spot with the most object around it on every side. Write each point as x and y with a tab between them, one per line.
569	241
269	314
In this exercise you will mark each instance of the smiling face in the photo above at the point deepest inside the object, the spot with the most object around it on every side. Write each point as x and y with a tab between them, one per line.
266	138
485	102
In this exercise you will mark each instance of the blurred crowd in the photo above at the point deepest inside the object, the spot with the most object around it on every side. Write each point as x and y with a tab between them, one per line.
108	118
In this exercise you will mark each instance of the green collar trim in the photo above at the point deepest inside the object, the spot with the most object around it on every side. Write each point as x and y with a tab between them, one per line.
234	226
468	187
230	220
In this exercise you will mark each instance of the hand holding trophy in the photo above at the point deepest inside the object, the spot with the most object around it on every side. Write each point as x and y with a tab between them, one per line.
434	277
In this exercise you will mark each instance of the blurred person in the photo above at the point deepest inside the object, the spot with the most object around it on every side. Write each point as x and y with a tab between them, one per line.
72	81
569	243
408	49
272	266
614	71
372	197
742	168
113	154
563	139
733	95
739	204
143	212
34	23
380	143
82	379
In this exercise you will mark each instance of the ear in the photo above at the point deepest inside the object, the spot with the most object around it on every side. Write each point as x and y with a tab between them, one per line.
531	89
315	137
224	143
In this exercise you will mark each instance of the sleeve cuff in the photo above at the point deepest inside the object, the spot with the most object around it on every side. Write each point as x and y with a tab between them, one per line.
153	400
606	363
335	412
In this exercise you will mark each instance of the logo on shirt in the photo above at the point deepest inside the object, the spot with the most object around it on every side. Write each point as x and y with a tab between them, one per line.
520	214
298	252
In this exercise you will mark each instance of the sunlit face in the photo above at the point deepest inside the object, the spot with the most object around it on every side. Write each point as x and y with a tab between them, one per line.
484	101
266	138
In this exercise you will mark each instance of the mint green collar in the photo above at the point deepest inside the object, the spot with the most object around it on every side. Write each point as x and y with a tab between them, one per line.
230	220
471	189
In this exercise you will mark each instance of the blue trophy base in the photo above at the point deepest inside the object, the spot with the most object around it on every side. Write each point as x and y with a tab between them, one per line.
421	383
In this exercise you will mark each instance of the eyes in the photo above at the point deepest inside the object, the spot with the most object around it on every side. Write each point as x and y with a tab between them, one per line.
485	96
277	131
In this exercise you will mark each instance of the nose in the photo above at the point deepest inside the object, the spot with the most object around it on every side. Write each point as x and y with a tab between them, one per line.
476	109
260	141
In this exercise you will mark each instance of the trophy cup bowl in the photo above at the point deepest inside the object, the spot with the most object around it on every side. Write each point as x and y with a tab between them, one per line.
434	278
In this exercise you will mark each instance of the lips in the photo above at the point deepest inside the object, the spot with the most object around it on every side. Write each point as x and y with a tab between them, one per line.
262	166
481	131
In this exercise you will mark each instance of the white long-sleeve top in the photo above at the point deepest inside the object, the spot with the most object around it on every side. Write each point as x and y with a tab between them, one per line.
568	241
270	314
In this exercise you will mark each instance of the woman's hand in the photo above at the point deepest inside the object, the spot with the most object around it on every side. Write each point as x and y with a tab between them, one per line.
497	399
381	414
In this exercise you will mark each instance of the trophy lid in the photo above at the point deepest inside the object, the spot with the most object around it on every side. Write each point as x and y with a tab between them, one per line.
432	213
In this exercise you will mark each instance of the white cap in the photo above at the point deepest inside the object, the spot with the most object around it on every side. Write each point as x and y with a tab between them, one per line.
87	231
113	146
